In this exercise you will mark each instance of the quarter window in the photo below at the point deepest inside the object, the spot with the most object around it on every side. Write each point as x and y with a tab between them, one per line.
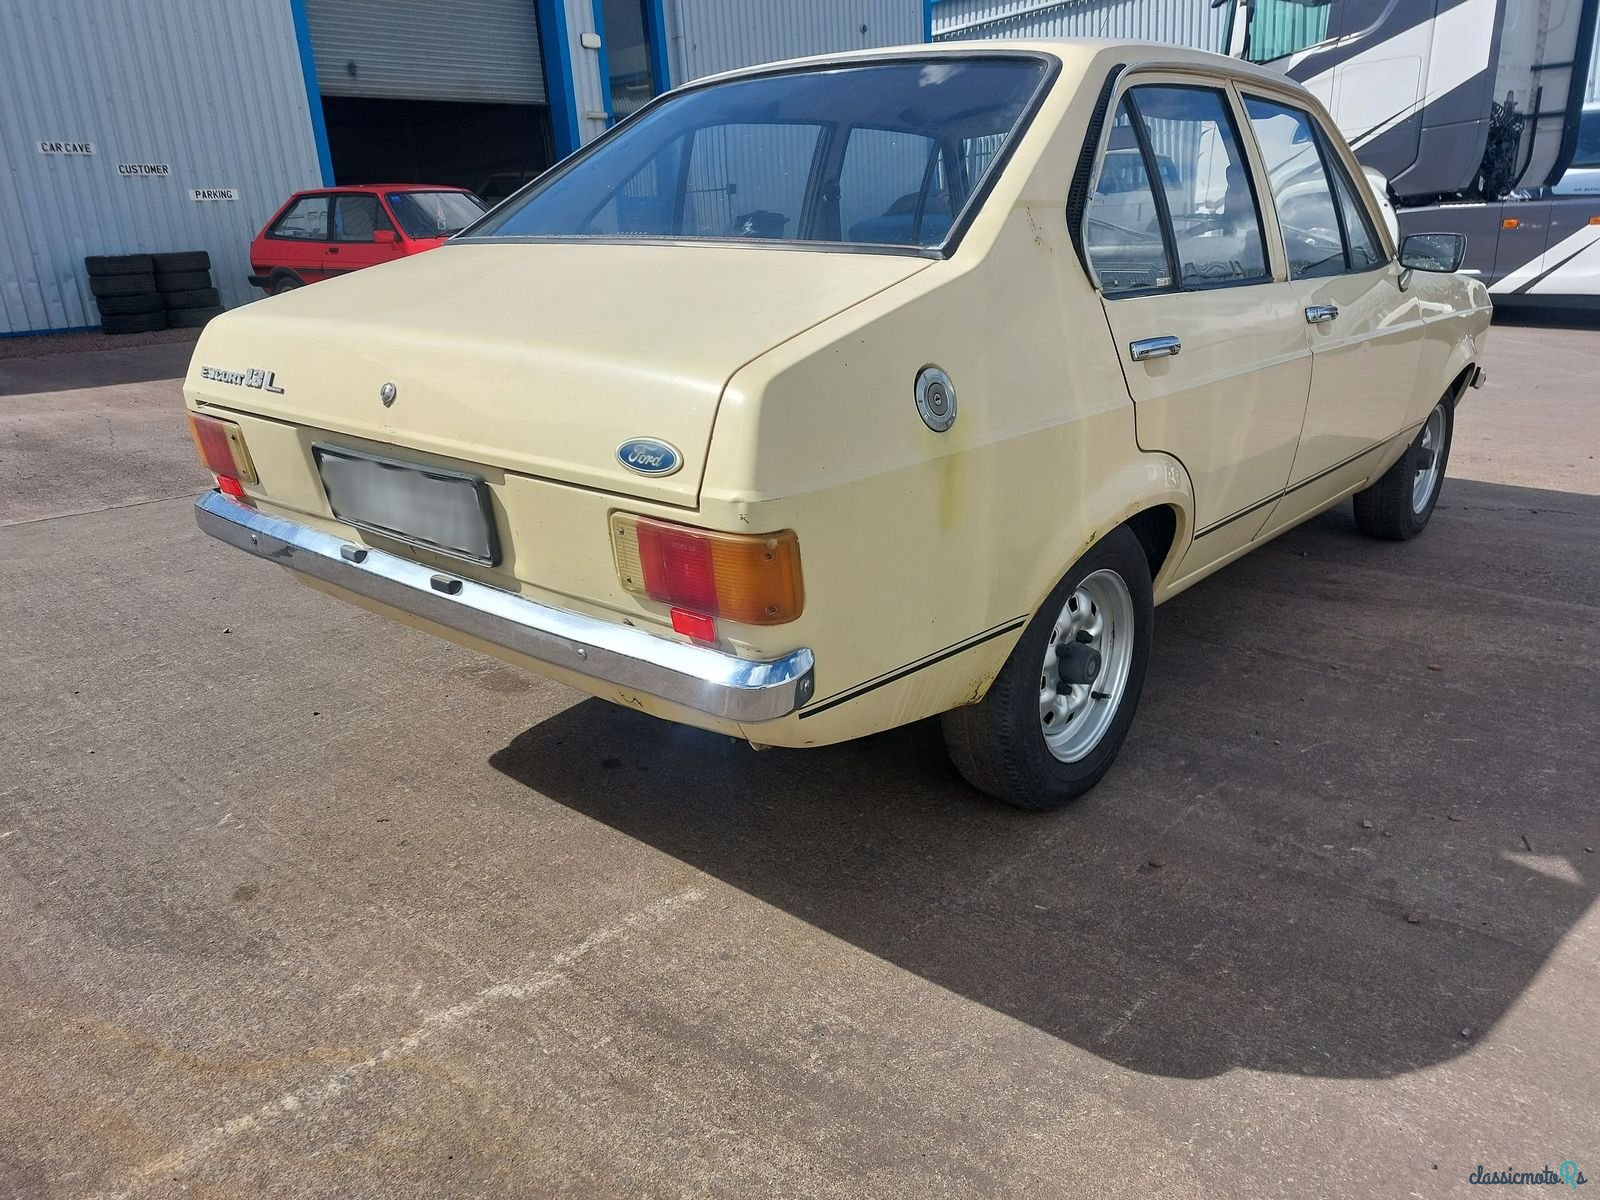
306	220
1360	239
1323	234
1201	227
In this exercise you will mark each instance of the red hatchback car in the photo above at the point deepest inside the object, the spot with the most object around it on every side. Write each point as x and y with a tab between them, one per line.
332	231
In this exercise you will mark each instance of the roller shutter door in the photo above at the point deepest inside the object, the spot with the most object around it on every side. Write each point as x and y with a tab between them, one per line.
473	50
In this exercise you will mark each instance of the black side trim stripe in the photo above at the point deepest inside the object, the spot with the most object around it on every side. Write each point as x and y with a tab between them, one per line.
1289	491
1243	512
899	673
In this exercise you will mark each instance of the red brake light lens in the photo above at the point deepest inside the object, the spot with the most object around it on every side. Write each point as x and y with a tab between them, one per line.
677	566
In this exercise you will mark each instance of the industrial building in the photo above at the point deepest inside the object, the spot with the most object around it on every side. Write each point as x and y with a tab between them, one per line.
155	125
158	125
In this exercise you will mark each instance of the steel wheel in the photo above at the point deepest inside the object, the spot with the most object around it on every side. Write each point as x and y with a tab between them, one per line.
1085	668
1430	460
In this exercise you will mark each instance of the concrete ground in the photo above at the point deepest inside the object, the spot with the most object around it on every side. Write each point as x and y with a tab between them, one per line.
297	902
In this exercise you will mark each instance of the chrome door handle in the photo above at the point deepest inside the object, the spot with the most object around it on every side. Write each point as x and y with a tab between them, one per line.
1317	314
1164	346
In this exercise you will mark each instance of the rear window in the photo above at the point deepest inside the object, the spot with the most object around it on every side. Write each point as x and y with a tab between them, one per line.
884	154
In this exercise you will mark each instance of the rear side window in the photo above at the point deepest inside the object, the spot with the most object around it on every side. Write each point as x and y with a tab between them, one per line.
356	218
305	221
1174	200
1121	228
1326	227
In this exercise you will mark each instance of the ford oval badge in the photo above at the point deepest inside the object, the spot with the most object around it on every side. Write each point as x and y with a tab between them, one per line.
649	456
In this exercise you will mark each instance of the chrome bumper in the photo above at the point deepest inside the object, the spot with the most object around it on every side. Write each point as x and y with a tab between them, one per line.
708	681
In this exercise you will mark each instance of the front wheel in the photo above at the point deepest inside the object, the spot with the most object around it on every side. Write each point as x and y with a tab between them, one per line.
1398	504
1054	718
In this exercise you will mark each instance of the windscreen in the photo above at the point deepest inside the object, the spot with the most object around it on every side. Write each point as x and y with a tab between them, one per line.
880	154
434	214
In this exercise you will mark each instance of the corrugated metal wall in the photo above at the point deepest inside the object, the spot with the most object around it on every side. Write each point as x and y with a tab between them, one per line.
588	84
707	36
212	90
1181	22
427	49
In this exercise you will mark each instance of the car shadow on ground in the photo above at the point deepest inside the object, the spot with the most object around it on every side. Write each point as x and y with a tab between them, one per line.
1348	828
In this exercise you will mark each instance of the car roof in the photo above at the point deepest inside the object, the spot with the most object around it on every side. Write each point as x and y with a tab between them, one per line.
1086	56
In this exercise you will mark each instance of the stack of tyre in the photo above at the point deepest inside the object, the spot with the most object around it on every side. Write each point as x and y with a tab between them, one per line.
137	293
184	281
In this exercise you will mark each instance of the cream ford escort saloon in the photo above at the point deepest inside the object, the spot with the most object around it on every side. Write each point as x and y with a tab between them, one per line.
824	397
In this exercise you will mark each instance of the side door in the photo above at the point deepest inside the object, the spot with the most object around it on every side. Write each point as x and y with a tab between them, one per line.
1366	331
298	239
1568	265
356	217
1214	345
1524	232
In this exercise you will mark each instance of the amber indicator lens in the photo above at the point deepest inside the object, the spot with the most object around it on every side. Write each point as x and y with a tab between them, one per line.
750	578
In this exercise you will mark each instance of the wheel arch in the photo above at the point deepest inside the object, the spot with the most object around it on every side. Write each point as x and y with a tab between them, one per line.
1153	497
1458	386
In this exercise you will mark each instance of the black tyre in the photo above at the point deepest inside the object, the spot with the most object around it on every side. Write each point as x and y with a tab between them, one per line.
198	298
183	260
285	283
129	306
1397	506
102	266
182	281
190	318
121	285
1056	715
135	323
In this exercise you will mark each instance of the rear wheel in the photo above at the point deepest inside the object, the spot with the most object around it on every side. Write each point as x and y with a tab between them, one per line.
286	283
1398	505
1056	715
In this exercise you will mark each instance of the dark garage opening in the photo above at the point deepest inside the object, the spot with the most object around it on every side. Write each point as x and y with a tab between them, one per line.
434	141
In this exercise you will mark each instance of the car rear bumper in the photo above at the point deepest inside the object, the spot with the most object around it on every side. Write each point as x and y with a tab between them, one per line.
258	281
708	681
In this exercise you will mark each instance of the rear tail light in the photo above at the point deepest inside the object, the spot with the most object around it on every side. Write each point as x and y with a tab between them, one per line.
750	578
221	447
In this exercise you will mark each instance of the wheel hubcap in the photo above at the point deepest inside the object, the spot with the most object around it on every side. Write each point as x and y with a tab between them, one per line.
1085	669
1430	456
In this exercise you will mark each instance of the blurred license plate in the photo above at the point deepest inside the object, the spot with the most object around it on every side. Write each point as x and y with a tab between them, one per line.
442	510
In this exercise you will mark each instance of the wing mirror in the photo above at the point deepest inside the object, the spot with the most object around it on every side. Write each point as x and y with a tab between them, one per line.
385	237
1433	251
